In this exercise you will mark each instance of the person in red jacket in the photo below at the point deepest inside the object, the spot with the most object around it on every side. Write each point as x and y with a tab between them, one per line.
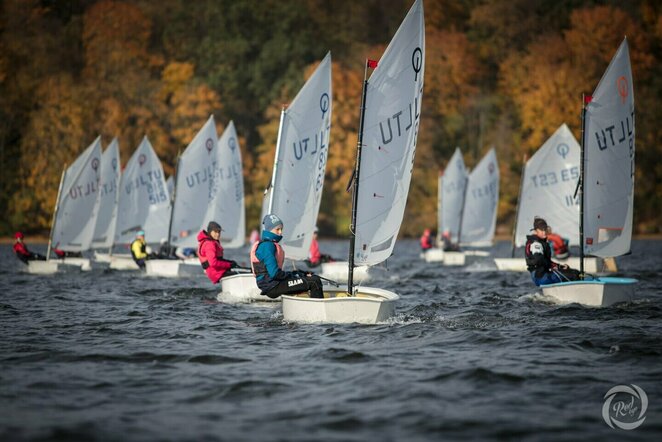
315	257
426	240
559	244
22	252
210	253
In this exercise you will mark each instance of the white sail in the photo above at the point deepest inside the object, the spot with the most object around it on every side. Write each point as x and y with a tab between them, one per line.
196	173
392	116
548	188
609	161
78	205
226	204
304	147
480	202
104	232
143	194
453	183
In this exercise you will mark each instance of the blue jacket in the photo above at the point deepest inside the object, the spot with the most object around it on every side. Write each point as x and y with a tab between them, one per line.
266	253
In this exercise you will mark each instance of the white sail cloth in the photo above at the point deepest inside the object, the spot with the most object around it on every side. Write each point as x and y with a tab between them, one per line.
480	203
548	188
143	198
197	171
451	195
226	204
78	204
609	161
104	231
301	163
392	116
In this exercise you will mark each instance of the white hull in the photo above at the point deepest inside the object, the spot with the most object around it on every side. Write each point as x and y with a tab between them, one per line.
241	289
121	262
600	292
369	306
84	263
51	267
433	255
519	264
338	271
463	258
173	268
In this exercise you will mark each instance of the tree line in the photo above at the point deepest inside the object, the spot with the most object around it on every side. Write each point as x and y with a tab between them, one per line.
502	74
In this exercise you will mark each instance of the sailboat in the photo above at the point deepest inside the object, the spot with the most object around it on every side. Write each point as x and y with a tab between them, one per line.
450	199
548	184
195	178
479	210
104	231
606	185
295	191
75	213
388	130
143	204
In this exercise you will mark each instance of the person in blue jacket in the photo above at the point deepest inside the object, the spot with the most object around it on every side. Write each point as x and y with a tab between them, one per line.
267	258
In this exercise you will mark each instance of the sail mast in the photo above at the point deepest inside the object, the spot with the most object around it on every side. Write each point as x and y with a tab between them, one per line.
580	184
357	169
276	158
464	200
519	197
57	206
172	199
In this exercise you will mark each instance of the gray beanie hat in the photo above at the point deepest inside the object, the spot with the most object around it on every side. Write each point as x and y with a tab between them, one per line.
271	221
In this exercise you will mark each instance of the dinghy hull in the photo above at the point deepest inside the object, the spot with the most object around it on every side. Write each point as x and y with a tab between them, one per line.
600	292
241	289
123	263
369	306
433	255
51	267
519	264
172	268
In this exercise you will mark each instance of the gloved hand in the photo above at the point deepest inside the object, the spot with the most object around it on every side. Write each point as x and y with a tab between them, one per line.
233	264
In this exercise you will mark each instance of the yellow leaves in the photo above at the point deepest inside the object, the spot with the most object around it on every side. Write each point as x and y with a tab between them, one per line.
174	77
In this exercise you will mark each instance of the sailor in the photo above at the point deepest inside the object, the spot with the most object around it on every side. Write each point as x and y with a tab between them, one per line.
315	257
267	258
139	250
559	244
539	262
22	252
210	253
66	254
448	244
426	240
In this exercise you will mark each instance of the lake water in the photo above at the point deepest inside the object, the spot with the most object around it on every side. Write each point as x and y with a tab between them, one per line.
472	354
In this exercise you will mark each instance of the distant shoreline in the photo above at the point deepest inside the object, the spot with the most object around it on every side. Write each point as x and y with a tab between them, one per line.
44	240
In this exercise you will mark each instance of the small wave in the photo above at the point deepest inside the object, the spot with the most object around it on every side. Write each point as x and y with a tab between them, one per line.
343	355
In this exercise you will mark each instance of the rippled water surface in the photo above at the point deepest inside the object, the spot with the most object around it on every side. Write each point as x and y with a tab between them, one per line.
472	354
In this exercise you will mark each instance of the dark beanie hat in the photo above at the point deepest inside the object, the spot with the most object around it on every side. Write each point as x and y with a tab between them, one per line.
213	226
539	223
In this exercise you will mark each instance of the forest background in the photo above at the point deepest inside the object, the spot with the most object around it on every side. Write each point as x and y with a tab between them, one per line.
502	73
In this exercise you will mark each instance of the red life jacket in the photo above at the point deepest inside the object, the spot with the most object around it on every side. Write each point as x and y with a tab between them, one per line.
257	266
560	247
